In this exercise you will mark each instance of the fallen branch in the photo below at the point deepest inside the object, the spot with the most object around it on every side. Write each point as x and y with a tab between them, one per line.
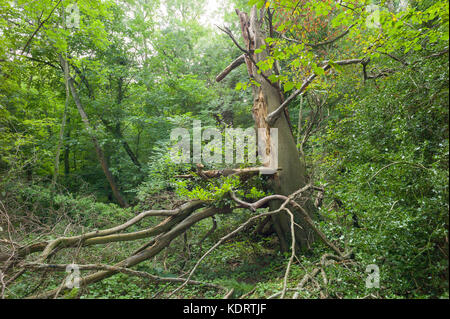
229	294
160	243
213	228
127	271
251	220
223	239
290	200
110	234
291	259
178	222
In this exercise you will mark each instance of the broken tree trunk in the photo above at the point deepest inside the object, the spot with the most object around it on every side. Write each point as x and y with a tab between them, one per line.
267	98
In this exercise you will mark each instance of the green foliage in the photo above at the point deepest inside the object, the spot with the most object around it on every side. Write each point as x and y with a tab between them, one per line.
142	68
388	163
214	191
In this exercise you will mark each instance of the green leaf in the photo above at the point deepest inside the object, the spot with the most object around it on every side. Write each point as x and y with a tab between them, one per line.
288	86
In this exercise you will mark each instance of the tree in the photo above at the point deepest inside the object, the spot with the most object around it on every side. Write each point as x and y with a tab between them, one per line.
372	131
267	98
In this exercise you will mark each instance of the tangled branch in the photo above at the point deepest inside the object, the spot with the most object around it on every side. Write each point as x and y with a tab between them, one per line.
177	222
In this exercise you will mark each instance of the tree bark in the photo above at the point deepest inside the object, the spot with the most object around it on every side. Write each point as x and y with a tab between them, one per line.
267	98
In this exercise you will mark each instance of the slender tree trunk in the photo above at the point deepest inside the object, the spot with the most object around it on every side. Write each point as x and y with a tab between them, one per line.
130	153
267	98
122	202
138	140
67	152
65	66
117	133
300	118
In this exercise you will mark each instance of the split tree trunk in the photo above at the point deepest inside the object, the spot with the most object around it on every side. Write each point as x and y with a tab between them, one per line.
267	98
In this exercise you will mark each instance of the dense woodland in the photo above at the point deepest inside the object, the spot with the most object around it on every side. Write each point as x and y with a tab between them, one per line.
357	206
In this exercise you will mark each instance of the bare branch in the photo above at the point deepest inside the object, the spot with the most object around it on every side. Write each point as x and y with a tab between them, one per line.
316	45
291	259
230	34
110	234
160	243
395	163
272	117
249	55
39	27
251	220
229	294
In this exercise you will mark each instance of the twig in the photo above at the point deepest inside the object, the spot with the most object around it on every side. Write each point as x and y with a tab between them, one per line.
39	27
248	293
213	228
273	116
249	55
316	45
288	268
395	163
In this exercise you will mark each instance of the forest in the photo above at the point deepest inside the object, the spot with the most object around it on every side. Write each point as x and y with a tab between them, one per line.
236	149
